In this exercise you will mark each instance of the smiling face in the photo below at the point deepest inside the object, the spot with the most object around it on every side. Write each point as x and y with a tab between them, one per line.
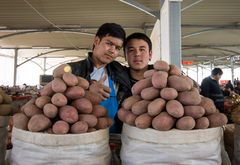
106	50
138	54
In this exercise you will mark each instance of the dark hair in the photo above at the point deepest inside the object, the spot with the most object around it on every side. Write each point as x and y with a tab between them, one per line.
140	36
216	71
111	29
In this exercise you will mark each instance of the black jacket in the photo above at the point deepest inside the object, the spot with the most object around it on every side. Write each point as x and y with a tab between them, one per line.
211	89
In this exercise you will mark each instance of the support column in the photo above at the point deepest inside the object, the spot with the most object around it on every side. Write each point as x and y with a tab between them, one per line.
15	67
232	68
44	65
170	27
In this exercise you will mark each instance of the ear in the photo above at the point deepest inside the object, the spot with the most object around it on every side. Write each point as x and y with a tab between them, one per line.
96	40
150	55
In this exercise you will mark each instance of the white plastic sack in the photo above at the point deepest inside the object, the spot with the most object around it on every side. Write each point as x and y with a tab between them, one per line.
149	146
70	149
236	153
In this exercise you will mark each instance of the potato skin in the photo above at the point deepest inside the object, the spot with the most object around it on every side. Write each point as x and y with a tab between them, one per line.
59	99
149	73
159	79
191	97
20	120
163	122
61	69
217	120
50	110
156	106
83	105
74	92
58	85
79	127
103	122
47	90
94	99
168	93
202	123
174	108
82	82
161	65
38	122
128	102
99	111
122	113
185	123
68	113
130	118
42	100
208	105
31	110
140	107
150	93
60	127
194	111
90	119
70	79
174	70
179	83
143	121
140	85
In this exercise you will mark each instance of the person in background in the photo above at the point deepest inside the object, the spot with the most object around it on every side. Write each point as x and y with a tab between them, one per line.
210	88
109	77
237	88
138	53
228	89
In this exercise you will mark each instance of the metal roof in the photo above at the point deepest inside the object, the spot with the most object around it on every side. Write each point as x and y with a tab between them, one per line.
210	28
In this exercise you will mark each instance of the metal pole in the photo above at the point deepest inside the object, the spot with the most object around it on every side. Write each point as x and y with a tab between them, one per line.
15	67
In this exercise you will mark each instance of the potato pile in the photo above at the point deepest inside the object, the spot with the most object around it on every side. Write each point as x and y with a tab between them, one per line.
5	104
165	99
65	105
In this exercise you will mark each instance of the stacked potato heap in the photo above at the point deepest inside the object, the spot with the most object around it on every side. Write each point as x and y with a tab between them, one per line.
165	99
66	105
5	104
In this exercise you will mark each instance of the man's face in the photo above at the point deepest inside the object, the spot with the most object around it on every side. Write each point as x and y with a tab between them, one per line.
138	54
106	50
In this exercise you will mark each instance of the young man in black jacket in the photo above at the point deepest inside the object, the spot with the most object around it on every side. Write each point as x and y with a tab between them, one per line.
110	77
210	88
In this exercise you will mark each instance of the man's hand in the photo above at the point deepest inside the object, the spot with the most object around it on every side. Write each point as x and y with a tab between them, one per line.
100	89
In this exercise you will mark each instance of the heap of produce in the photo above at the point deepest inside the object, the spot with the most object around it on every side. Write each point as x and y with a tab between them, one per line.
5	104
65	105
165	99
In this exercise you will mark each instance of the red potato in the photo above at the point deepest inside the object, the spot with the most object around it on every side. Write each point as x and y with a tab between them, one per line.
31	110
159	79
38	123
41	101
20	120
217	120
47	90
174	108
194	111
61	69
202	123
185	123
150	93
70	79
208	105
83	105
50	110
189	80
94	99
90	119
156	106
91	129
140	107
59	99
79	127
174	70
168	93
130	118
179	83
122	113
60	127
128	102
143	121
58	85
189	97
82	82
5	109
99	111
103	122
163	122
161	65
148	73
140	85
75	92
31	101
68	113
